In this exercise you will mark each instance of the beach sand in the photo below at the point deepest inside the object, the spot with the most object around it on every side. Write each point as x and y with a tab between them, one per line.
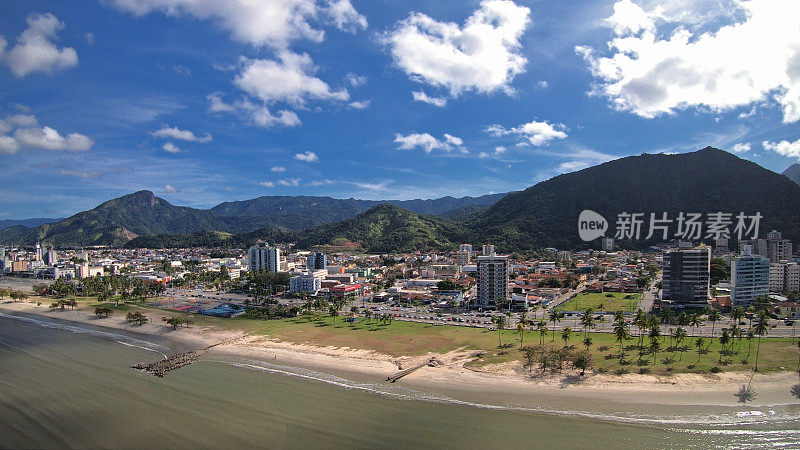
505	381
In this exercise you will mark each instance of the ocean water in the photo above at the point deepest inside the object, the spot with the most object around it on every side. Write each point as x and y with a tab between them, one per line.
68	386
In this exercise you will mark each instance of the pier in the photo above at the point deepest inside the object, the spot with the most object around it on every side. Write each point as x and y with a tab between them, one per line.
433	362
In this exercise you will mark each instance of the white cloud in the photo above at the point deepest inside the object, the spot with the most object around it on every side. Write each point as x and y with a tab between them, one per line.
167	132
8	145
22	120
217	105
35	50
427	142
270	23
268	184
320	183
542	84
663	61
289	182
287	80
572	166
536	133
308	157
87	175
5	127
784	148
742	147
344	16
170	189
355	80
89	38
421	96
278	169
263	117
499	150
49	139
363	104
171	148
484	55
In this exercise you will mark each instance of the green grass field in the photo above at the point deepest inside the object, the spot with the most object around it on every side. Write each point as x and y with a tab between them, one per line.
602	301
410	339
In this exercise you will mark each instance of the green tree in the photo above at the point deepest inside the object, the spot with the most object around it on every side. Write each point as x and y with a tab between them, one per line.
555	316
760	329
699	343
333	312
566	333
500	322
521	331
680	335
713	317
620	333
587	321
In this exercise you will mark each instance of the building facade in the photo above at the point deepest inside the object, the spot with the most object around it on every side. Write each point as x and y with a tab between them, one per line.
686	277
493	276
784	277
265	258
317	261
307	282
749	278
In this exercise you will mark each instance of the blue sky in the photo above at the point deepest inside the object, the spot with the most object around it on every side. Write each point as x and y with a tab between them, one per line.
203	102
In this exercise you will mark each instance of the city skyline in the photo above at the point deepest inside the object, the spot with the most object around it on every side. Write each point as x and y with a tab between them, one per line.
116	96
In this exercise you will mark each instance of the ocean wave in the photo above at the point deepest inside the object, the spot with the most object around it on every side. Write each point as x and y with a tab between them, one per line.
119	338
714	423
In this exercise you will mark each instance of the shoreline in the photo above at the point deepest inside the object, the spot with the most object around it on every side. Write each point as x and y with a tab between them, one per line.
507	382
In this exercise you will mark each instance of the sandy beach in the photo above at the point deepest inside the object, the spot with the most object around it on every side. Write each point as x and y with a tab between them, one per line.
507	381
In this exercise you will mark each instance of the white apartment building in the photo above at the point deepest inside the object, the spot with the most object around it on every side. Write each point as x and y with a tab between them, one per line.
750	277
493	271
263	257
307	282
784	277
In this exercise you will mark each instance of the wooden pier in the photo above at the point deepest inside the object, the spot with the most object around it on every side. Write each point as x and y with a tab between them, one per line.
433	362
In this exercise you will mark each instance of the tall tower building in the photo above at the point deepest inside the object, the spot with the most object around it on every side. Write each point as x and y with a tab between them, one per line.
749	277
493	271
265	258
687	277
317	261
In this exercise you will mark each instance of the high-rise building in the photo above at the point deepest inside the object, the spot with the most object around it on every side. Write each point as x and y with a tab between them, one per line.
40	252
607	244
493	271
784	277
50	257
465	248
317	261
686	277
262	257
749	277
463	258
759	246
778	249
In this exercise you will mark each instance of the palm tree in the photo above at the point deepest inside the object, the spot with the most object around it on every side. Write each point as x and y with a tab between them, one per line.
640	320
368	315
566	333
542	327
680	335
500	322
713	317
749	336
587	321
587	341
700	344
760	329
521	330
666	315
724	339
620	332
694	321
555	316
333	312
654	347
737	314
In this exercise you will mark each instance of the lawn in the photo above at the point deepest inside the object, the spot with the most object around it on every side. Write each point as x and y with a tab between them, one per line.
602	301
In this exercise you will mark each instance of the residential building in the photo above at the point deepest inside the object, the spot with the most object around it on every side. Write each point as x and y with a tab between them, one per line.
607	244
465	248
784	277
263	257
686	280
307	282
721	245
493	271
749	277
317	261
463	257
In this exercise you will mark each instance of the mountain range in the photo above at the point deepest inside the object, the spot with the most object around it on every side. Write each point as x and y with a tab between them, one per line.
544	215
120	220
793	172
